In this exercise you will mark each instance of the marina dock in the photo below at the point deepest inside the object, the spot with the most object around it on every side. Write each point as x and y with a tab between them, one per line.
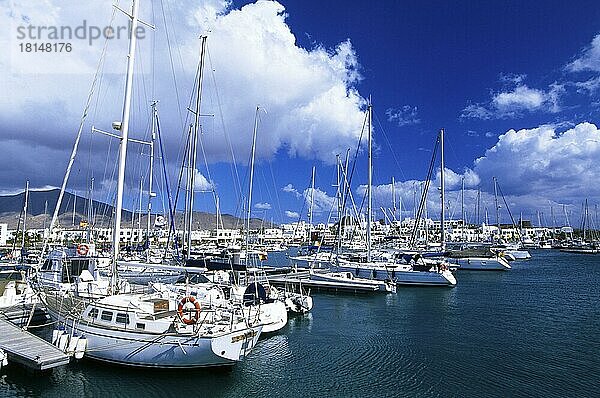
29	350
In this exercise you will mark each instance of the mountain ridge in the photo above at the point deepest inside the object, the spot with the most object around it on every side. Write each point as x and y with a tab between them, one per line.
11	208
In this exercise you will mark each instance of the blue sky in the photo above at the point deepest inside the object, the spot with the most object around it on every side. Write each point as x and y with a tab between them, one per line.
515	85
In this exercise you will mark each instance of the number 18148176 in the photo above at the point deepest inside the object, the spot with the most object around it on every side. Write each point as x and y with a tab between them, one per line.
45	47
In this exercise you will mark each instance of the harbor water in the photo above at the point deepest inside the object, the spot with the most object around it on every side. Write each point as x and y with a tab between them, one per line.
532	331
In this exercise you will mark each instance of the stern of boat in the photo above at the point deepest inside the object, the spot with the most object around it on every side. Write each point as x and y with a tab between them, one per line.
236	345
449	277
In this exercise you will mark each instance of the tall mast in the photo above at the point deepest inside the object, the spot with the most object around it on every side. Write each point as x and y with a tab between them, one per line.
217	207
45	214
400	212
443	193
462	207
478	207
194	143
339	204
312	200
521	220
370	181
345	194
339	186
150	175
188	168
24	218
139	218
425	209
74	207
478	213
90	212
415	201
595	216
124	127
248	215
393	200
497	207
585	219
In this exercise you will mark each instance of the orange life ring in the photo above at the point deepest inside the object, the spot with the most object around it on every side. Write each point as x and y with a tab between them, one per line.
192	320
83	249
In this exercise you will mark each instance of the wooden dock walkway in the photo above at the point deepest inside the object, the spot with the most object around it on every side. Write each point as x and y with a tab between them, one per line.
29	350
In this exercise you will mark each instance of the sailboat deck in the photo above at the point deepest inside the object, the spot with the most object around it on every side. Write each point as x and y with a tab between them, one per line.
302	279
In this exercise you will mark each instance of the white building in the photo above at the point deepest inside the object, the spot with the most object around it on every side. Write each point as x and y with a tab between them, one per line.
3	234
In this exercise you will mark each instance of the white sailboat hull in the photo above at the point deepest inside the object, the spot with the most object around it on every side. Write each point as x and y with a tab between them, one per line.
401	276
348	278
271	316
480	263
519	254
168	350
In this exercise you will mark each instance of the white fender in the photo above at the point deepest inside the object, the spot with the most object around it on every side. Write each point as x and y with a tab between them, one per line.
55	334
63	341
72	345
3	359
80	347
289	303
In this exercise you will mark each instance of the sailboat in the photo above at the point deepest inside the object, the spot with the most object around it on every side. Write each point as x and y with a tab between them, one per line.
385	265
252	284
313	254
480	257
19	303
145	329
582	246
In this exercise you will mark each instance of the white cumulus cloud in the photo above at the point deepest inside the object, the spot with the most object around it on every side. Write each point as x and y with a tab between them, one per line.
589	59
290	188
409	192
263	206
313	108
545	162
545	169
403	116
201	183
291	214
517	101
522	97
322	203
